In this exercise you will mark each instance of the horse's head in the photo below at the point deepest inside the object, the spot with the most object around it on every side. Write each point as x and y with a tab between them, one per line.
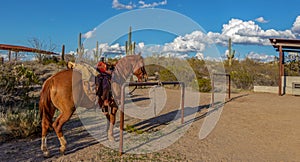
139	69
128	65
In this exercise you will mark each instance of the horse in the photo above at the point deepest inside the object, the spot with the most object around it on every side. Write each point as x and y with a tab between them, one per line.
58	92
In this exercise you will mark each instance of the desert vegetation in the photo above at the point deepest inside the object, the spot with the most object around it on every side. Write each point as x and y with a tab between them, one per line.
244	73
20	83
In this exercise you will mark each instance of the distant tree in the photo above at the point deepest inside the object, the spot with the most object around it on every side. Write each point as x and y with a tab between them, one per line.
292	64
41	45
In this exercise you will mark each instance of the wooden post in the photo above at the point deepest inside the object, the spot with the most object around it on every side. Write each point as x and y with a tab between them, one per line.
229	85
1	60
9	56
213	91
63	53
182	102
280	71
16	55
122	118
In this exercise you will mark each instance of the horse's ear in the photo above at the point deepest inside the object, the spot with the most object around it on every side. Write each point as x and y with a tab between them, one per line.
139	53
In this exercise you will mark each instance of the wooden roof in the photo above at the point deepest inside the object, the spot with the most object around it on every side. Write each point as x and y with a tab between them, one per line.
25	49
288	45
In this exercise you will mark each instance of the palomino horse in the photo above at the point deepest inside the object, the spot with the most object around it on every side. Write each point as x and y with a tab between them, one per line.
58	93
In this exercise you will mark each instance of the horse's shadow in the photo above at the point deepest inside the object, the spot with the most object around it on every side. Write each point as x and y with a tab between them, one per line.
29	149
78	138
164	119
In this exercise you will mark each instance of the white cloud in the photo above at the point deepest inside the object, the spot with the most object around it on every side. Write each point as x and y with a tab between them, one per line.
247	32
193	42
174	55
141	45
141	4
151	5
111	49
117	5
4	56
260	57
217	59
261	20
296	26
89	34
241	32
72	52
199	56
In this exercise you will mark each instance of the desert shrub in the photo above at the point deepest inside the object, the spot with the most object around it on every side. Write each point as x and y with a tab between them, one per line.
244	73
152	69
49	60
62	63
166	75
204	84
199	67
20	123
132	129
70	57
16	83
242	79
247	73
292	68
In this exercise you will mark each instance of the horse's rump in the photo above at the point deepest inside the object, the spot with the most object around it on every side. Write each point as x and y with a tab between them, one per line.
45	103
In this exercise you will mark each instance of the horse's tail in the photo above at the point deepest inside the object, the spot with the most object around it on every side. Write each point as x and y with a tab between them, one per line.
45	104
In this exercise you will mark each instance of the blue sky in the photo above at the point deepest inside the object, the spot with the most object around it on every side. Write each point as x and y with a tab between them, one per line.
62	21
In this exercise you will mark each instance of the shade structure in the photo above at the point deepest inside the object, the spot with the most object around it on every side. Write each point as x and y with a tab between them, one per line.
16	48
284	45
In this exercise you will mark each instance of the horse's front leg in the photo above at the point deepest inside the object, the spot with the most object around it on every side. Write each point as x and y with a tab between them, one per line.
107	115
112	121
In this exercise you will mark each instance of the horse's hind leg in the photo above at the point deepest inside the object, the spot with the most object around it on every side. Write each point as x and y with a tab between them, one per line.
46	124
57	125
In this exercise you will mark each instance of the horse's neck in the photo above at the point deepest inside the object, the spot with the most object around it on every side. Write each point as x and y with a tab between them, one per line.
123	71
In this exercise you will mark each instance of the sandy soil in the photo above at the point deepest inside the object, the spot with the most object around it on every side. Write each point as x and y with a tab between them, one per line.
252	127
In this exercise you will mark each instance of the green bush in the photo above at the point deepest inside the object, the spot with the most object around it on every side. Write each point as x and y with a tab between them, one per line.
20	123
16	83
132	129
204	85
166	75
242	79
49	60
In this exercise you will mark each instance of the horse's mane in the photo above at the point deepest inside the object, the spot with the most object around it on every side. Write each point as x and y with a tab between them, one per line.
127	60
124	67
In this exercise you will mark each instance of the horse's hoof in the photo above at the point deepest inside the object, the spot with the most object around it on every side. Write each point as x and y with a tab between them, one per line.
46	154
111	139
62	152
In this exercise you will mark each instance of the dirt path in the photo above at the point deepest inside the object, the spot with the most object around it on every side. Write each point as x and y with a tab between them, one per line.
252	127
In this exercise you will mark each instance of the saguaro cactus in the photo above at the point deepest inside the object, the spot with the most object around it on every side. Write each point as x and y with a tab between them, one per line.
230	54
80	49
129	45
97	55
